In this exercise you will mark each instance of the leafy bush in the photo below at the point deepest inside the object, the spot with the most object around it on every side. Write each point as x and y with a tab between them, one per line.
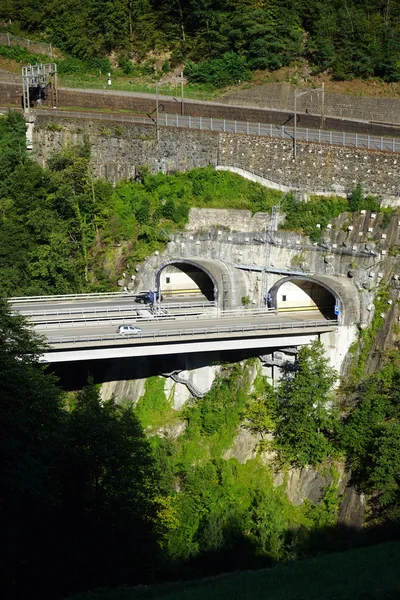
304	216
22	55
78	66
219	72
358	201
153	408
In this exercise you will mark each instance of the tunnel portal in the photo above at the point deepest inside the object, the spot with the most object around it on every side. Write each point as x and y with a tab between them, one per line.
185	279
306	296
330	296
208	279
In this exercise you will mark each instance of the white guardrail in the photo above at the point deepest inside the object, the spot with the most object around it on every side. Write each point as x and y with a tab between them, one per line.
137	317
159	317
191	332
63	297
108	310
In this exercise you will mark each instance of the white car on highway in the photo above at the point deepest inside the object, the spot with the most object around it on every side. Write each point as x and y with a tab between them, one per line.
128	330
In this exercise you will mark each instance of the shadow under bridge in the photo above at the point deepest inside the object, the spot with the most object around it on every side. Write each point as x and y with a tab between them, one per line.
208	279
333	297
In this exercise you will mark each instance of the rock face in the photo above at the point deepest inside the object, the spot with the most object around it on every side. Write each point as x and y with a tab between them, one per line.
244	446
352	509
123	390
303	484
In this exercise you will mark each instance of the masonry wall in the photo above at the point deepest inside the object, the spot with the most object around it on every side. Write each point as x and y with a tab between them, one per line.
119	148
317	167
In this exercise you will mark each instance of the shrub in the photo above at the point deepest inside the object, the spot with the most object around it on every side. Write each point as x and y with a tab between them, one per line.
219	72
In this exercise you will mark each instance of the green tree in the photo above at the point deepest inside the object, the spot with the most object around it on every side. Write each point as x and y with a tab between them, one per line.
370	437
110	485
261	412
306	421
31	427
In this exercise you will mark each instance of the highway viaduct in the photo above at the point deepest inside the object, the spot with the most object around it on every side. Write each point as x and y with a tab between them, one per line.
84	327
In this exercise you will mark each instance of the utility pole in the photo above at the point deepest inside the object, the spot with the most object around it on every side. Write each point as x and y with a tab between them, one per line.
182	101
323	106
157	126
298	95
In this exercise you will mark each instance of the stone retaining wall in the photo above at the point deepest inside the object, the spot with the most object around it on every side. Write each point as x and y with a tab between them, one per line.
118	148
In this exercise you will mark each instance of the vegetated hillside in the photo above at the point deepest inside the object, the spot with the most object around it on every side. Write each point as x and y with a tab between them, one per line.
222	41
364	574
62	231
86	499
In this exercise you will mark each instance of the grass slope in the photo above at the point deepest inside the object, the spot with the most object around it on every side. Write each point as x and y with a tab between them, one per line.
368	573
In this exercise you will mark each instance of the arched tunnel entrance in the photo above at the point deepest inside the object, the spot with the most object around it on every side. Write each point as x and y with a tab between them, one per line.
306	295
179	278
203	278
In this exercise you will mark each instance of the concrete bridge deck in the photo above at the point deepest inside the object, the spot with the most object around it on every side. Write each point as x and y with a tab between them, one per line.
95	339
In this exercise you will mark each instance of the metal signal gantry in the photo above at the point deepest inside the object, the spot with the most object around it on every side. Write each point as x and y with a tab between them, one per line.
37	80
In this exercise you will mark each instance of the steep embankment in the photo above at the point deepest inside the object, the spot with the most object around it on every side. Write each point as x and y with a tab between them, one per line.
367	574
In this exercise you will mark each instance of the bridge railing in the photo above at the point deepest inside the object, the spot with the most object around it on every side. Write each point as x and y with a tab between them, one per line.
116	319
63	297
109	310
305	134
190	332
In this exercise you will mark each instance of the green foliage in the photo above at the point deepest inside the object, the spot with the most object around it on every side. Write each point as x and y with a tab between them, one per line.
368	335
79	484
220	411
129	67
222	41
306	421
261	410
153	409
325	513
358	201
370	438
304	216
71	66
22	55
65	66
166	67
219	72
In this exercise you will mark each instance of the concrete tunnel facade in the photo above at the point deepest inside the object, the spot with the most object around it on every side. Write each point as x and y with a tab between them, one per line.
214	279
325	293
227	285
